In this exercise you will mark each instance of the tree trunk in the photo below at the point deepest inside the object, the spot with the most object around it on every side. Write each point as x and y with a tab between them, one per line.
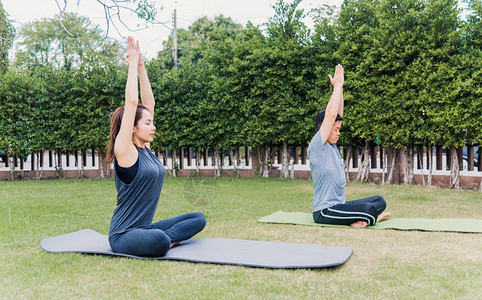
238	156
430	165
347	162
392	166
410	163
80	169
407	162
455	169
12	167
264	161
285	163
217	162
234	161
238	162
59	163
384	168
38	171
174	163
103	167
364	168
292	171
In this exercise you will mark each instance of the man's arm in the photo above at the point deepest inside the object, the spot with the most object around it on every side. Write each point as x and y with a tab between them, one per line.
335	105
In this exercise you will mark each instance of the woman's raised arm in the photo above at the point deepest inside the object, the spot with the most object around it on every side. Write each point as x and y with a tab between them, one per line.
125	151
147	97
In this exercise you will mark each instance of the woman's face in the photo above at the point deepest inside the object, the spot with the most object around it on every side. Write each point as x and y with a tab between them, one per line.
144	130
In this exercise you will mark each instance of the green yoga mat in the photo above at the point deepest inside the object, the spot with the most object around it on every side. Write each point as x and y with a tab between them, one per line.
452	225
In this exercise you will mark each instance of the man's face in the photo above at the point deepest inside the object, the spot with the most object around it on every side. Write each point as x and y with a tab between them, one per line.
335	133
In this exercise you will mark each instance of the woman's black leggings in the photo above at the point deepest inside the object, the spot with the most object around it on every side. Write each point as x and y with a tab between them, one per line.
156	240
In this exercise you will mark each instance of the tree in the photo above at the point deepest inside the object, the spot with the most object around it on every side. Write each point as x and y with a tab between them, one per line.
421	44
455	110
472	79
193	108
197	37
78	84
114	9
401	40
239	68
287	24
45	42
178	95
100	91
17	92
354	41
325	13
322	56
7	33
283	84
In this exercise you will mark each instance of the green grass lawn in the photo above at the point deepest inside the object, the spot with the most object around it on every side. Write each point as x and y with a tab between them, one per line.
385	264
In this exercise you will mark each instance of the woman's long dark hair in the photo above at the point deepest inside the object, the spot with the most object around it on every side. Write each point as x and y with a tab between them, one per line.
115	124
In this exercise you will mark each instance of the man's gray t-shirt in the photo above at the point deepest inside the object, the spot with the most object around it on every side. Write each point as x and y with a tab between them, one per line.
328	173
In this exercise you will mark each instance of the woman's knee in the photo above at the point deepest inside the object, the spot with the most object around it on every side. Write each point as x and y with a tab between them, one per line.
198	219
160	243
145	242
201	219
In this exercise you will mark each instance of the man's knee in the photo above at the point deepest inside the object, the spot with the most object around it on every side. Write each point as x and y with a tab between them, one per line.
381	203
371	210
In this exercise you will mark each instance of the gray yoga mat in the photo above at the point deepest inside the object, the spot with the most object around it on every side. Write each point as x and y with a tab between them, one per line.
451	225
248	253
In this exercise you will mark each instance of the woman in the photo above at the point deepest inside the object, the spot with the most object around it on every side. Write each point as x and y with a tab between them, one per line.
139	174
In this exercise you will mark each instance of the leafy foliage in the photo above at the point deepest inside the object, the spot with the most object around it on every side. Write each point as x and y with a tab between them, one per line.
72	43
413	76
7	33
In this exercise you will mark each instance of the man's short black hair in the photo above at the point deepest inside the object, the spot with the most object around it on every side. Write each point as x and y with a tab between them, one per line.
321	116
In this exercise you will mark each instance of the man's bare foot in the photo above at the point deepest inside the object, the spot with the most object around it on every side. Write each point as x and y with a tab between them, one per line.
174	244
384	216
359	224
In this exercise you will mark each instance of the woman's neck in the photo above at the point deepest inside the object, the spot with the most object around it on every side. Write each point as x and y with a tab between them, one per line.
138	144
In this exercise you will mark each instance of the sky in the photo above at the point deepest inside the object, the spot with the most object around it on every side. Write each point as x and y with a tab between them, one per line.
151	38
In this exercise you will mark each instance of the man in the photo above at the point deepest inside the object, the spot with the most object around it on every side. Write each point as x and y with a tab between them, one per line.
328	172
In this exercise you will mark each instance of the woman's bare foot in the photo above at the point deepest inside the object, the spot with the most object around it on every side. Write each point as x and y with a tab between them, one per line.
174	244
384	216
359	224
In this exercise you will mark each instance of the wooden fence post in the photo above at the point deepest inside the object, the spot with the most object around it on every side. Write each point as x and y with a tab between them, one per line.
373	155
355	157
181	158
303	155
189	156
470	158
479	159
246	149
439	157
